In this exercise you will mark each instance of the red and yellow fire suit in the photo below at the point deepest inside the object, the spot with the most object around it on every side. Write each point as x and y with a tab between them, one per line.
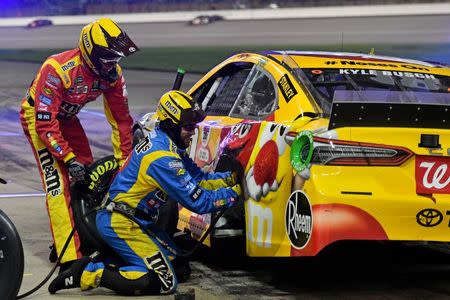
63	85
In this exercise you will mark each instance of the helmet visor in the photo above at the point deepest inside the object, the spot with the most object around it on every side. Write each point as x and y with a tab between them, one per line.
189	127
105	59
112	60
121	44
192	116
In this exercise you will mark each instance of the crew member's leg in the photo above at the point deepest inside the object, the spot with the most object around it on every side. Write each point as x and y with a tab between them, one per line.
74	134
137	249
56	185
149	269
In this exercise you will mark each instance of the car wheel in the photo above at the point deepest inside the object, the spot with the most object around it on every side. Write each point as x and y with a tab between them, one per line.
84	199
168	217
138	135
11	259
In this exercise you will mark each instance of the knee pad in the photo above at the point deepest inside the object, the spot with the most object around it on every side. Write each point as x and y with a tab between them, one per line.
148	284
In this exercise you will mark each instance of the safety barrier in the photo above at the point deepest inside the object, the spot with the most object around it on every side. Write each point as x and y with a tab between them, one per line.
251	14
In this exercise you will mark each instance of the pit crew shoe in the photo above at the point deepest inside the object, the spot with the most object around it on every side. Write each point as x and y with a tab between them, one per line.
182	269
70	278
65	266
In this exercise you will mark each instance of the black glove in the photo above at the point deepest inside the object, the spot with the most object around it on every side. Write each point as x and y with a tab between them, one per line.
77	170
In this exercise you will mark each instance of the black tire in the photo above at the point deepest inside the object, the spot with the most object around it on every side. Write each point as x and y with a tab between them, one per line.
90	240
168	217
87	197
11	259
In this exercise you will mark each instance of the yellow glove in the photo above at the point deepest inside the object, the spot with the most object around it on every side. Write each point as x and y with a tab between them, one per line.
237	189
233	199
232	179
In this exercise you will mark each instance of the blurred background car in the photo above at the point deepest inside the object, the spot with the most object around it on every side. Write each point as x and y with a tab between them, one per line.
204	19
39	23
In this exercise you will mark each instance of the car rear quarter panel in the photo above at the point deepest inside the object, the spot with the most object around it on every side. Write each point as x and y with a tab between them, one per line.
372	202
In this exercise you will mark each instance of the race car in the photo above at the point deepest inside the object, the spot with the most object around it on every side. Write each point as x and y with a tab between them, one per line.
205	20
39	23
330	146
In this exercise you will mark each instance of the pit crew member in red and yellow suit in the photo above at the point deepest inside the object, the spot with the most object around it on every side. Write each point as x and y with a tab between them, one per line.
157	167
64	84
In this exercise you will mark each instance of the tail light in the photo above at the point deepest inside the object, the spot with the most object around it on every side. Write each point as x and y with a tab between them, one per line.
329	151
339	152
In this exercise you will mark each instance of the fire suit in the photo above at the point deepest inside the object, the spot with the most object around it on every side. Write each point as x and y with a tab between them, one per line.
62	86
154	170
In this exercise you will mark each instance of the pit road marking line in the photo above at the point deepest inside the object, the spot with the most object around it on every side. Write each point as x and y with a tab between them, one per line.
21	195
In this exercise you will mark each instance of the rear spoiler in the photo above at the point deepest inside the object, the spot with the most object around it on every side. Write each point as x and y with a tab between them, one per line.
363	114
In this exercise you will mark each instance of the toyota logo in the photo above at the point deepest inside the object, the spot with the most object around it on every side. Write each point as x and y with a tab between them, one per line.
429	217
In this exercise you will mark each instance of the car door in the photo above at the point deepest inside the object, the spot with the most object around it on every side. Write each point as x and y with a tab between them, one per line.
250	102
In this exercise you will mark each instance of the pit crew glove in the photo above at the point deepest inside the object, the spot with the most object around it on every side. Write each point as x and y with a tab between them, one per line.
77	170
238	193
232	179
237	189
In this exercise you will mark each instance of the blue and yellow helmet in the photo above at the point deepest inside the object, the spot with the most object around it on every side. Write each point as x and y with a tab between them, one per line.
179	108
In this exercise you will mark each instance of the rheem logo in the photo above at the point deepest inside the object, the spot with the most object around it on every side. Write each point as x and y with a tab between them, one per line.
299	219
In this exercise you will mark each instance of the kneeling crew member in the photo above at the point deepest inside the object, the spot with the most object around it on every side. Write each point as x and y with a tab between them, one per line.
157	168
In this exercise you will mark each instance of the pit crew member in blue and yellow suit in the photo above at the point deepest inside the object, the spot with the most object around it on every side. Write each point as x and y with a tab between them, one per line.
64	84
158	167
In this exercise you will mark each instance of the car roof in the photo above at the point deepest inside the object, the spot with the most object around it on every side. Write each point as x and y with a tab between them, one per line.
351	55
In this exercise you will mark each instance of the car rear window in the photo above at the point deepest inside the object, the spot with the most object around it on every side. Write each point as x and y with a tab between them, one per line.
375	86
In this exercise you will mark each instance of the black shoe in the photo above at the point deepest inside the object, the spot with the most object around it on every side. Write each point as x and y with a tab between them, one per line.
182	269
70	278
65	266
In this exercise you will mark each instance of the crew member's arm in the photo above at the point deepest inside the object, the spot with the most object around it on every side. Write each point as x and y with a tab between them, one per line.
118	115
208	180
47	96
171	176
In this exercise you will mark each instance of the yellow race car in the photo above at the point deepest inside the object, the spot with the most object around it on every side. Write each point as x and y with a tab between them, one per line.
331	146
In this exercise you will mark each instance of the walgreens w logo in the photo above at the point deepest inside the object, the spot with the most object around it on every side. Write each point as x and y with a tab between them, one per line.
432	175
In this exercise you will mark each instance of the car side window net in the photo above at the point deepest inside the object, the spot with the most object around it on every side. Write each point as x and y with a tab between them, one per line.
257	98
224	90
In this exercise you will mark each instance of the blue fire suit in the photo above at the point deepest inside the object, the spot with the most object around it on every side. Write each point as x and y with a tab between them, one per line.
155	169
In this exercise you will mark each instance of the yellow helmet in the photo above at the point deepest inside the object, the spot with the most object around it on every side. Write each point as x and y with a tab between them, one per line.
102	44
179	108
